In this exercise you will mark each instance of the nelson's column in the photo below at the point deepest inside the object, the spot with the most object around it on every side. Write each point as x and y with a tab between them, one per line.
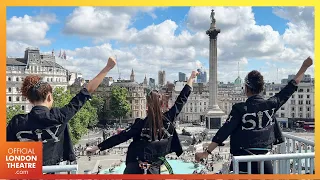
214	114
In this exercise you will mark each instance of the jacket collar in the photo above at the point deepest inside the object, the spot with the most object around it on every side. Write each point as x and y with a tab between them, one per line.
40	108
254	97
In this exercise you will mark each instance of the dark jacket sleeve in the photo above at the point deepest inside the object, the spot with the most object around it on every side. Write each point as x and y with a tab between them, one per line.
123	136
11	135
67	112
179	103
282	97
228	127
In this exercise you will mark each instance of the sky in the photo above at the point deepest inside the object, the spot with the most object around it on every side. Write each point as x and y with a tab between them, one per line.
272	40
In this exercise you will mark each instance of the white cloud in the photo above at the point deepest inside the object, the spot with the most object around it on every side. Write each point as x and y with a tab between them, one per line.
16	49
103	22
26	29
159	46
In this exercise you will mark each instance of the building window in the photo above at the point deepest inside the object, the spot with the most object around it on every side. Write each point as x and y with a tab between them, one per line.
282	115
293	102
17	79
292	108
18	98
205	103
308	115
300	96
308	90
300	102
51	79
300	90
9	89
9	78
308	108
17	89
292	115
22	107
10	99
282	108
308	96
300	109
292	96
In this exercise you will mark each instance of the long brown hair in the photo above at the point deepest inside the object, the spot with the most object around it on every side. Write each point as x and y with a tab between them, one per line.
154	115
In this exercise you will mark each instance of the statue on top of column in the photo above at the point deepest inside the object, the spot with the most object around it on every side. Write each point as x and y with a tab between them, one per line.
213	20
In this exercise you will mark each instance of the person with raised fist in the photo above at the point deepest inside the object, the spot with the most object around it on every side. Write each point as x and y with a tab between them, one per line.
153	137
49	124
252	125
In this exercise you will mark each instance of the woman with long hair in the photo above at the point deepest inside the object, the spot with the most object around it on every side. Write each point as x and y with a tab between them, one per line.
49	124
252	125
143	155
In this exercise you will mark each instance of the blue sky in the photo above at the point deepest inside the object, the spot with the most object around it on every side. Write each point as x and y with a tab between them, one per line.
263	15
139	21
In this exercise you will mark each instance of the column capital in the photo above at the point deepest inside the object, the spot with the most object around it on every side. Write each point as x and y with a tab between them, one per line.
213	33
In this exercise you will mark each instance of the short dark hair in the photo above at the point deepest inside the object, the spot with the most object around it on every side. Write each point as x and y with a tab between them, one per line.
34	89
254	82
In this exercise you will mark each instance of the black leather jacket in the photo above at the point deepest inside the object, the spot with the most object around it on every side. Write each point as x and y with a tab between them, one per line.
52	126
134	131
253	124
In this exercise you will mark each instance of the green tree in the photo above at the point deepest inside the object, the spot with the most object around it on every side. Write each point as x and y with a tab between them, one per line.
99	103
86	117
12	111
119	105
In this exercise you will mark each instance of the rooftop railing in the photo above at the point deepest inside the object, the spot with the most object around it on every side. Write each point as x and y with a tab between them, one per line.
294	156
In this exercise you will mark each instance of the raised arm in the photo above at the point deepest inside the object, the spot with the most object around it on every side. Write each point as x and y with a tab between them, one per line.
123	136
283	96
68	111
182	99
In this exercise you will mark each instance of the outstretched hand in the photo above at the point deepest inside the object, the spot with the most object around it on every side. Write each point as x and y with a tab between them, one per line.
194	74
200	155
92	150
111	63
307	63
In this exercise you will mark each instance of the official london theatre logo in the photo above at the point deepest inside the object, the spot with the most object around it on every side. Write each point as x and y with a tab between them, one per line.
23	160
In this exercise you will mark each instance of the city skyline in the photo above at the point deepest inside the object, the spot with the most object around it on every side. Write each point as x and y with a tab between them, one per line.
169	39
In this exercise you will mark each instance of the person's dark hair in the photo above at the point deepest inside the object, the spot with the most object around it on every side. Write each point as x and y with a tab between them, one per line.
254	82
34	89
154	115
